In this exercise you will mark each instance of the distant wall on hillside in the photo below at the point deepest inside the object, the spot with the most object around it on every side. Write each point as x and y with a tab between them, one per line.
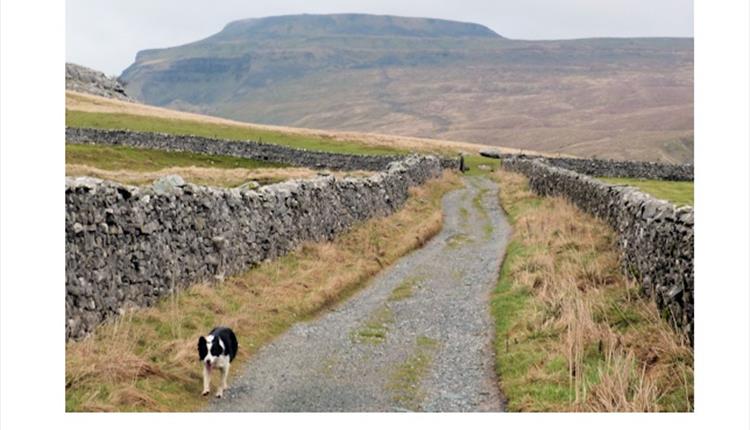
655	237
237	148
614	168
128	246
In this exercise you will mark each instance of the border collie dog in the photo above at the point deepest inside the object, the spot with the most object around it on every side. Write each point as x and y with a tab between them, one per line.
217	350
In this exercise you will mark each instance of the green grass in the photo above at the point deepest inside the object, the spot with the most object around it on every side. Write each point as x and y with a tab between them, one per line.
222	131
487	228
405	380
375	329
515	357
110	157
458	240
678	192
405	289
508	301
477	202
473	162
464	213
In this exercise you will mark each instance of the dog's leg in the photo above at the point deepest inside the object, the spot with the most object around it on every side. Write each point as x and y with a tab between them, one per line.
223	386
206	380
224	376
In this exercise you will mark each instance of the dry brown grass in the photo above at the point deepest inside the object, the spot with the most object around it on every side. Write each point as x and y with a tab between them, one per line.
219	177
90	103
146	360
579	336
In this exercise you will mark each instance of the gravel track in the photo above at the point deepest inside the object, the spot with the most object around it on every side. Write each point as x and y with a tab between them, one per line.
417	338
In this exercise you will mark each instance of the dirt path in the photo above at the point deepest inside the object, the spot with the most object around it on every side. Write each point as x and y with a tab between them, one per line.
419	337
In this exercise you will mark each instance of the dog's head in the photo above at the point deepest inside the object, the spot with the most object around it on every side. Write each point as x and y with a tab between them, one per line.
209	349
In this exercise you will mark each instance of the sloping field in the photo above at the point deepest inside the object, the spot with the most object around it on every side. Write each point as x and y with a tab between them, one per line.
80	107
623	98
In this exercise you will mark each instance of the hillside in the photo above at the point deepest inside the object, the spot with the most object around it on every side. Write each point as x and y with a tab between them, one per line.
86	110
609	98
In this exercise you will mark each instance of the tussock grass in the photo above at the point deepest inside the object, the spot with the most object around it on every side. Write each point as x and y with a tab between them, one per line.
678	192
147	361
573	334
203	175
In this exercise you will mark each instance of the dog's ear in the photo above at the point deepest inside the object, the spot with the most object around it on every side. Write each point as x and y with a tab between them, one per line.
202	348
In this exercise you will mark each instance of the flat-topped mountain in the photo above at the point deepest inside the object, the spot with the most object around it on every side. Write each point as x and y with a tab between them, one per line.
349	25
615	98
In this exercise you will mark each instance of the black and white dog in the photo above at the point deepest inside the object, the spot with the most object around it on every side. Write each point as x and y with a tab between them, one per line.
217	350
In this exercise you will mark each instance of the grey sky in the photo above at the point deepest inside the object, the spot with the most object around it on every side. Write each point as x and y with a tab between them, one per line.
106	35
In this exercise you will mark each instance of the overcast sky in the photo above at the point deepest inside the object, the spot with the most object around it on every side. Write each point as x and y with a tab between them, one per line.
106	35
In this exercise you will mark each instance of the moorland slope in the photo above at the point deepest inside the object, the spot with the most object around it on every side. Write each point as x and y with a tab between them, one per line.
621	98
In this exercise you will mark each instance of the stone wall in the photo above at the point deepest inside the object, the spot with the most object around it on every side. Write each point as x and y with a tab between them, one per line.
655	237
614	168
128	246
236	148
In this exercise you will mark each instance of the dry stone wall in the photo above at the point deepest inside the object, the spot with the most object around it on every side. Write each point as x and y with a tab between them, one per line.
625	169
128	246
613	168
655	237
237	148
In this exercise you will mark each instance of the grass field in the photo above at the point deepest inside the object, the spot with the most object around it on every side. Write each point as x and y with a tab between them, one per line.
136	166
146	360
480	166
224	131
80	102
572	334
110	157
215	177
678	192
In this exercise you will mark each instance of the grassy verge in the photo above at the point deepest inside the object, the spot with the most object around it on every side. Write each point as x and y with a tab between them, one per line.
678	192
572	333
146	360
224	131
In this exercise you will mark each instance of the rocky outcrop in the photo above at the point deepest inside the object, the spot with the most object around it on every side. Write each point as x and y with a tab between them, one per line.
240	148
85	80
612	168
655	237
128	246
